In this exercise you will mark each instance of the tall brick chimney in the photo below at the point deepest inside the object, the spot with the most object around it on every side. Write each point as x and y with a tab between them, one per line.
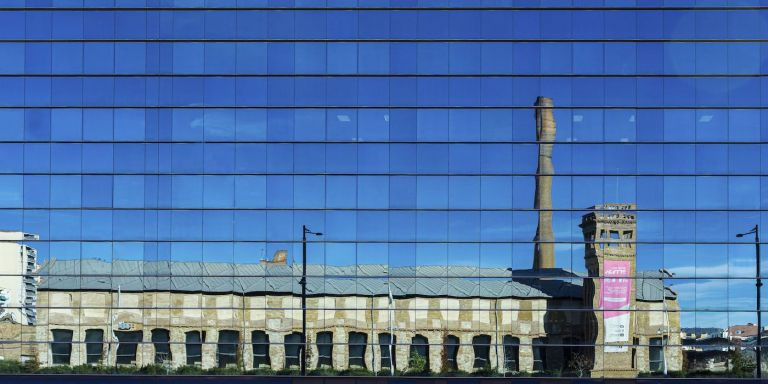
544	252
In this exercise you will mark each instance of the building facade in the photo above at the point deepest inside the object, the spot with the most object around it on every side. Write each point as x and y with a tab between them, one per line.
368	317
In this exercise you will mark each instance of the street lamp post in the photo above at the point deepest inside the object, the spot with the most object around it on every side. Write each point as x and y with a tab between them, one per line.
303	283
758	285
665	327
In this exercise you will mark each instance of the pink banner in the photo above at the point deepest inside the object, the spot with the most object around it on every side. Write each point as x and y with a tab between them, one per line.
615	299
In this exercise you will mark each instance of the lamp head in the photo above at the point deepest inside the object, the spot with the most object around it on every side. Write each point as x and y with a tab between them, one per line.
740	235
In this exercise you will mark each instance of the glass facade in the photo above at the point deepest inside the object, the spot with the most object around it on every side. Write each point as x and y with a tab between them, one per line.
168	154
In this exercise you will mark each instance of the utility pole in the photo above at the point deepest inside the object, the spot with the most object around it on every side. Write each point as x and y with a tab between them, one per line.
303	282
758	286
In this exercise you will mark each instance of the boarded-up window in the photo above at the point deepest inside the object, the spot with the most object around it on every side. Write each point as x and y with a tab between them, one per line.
511	353
387	343
260	341
481	344
194	345
161	339
226	352
325	349
61	346
357	343
94	346
128	342
294	343
451	345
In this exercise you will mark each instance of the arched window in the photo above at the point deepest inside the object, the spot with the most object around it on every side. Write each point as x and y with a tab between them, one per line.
161	339
419	350
324	349
387	343
357	343
94	346
61	346
260	341
194	345
451	350
482	347
511	353
294	344
128	342
226	353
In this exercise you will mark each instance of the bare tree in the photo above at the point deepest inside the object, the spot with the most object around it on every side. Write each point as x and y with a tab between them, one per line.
580	363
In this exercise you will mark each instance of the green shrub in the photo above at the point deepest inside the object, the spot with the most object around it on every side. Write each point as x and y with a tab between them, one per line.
189	370
228	371
260	372
56	369
154	369
324	371
486	371
417	365
355	372
11	366
287	372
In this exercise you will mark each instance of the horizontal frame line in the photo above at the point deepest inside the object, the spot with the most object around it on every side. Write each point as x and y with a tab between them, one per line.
405	107
421	8
383	40
391	142
321	174
215	209
367	277
414	242
388	75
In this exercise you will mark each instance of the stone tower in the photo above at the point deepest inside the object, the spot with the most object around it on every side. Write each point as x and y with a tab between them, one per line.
544	253
609	254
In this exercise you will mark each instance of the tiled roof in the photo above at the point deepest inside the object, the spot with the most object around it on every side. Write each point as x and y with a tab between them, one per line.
365	279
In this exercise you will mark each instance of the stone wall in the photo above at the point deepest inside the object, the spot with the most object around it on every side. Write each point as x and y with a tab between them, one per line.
280	315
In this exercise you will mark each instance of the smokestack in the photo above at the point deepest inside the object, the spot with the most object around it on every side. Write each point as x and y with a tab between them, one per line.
544	252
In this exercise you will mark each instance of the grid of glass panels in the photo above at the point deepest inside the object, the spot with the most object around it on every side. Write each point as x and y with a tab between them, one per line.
200	132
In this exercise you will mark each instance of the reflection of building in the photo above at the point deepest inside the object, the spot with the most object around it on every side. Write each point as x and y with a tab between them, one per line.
217	314
742	332
701	333
18	286
610	253
18	293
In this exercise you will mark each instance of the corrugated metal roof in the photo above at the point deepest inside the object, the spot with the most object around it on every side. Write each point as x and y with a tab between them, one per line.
367	279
